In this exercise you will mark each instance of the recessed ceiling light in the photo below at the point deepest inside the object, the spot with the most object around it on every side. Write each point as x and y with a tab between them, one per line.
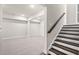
22	15
32	6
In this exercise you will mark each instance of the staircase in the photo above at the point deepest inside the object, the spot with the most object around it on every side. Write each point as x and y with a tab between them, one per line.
67	41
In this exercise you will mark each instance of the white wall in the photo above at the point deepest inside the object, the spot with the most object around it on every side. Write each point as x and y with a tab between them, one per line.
0	28
42	29
0	17
13	28
34	29
53	13
12	36
71	14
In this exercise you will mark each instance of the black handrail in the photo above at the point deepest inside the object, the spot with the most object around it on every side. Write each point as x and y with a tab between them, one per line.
56	23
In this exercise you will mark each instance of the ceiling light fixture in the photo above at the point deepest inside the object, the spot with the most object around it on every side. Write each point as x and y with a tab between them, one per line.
32	6
22	15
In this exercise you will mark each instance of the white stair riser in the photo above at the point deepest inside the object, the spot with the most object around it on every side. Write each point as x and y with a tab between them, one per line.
70	28
67	45
72	36
70	32
68	40
64	51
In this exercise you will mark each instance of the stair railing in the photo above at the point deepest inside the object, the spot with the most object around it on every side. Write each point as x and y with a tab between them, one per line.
56	22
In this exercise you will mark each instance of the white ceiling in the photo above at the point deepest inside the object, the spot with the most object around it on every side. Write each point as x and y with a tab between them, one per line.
22	9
